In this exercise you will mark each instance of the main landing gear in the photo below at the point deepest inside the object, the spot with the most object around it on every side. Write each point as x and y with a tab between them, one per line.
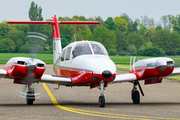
135	93
30	97
102	95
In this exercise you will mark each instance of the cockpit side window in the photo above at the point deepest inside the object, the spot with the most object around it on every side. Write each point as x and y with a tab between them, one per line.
81	49
67	53
98	49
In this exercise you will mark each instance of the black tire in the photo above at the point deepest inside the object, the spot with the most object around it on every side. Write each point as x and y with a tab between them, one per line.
101	101
136	97
30	98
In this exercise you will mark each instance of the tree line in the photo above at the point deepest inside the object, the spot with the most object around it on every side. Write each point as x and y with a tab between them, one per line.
120	35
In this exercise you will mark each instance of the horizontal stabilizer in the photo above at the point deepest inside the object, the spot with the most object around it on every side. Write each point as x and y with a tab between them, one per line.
52	22
125	78
3	73
55	79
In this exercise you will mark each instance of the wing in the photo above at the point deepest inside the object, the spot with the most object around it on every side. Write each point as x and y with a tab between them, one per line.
60	80
3	73
176	71
125	78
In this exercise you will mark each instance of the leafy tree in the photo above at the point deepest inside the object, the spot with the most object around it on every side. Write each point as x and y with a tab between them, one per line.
7	45
122	53
112	52
35	14
92	27
64	42
175	22
76	37
164	20
162	40
5	28
177	51
174	41
158	27
142	29
136	39
110	24
121	24
121	41
153	51
65	32
135	25
151	32
151	22
131	48
104	36
18	37
85	34
100	20
23	27
145	21
131	25
75	29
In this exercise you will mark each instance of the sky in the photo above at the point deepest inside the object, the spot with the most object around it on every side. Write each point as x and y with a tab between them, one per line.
17	10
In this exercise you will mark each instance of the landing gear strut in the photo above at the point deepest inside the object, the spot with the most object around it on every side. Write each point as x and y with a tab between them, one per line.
30	96
135	93
102	95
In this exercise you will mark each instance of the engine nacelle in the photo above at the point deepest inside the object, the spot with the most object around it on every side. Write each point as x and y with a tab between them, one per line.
155	68
23	69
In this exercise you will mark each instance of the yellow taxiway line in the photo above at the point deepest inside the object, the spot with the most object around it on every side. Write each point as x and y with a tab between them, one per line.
99	114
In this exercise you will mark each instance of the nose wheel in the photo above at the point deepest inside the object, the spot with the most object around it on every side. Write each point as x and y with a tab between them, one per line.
101	101
102	95
30	97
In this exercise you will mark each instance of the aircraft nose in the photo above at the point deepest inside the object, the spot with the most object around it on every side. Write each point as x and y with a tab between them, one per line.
106	73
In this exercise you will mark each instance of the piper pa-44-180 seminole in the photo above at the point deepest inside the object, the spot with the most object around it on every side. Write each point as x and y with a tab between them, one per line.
83	63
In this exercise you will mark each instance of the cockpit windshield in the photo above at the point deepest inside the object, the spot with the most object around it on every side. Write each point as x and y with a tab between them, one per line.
87	48
98	48
82	49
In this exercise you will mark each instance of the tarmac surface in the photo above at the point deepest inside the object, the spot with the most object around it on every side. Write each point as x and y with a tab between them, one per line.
161	101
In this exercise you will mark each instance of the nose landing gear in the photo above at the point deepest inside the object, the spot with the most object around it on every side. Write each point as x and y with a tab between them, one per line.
30	97
102	95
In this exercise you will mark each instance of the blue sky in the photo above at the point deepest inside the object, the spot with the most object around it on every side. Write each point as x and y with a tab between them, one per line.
18	9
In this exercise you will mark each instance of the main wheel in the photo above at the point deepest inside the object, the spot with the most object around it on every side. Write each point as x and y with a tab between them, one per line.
30	97
136	97
101	101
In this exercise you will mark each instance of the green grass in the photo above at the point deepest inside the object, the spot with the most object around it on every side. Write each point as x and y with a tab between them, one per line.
123	67
175	77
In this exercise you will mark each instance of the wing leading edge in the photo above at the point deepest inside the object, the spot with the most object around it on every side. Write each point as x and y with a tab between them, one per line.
125	78
3	73
55	79
176	71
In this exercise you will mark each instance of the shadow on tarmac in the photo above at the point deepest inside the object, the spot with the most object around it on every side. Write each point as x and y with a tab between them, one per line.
95	104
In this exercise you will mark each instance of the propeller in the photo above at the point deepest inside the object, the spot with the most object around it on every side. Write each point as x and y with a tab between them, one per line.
132	59
36	40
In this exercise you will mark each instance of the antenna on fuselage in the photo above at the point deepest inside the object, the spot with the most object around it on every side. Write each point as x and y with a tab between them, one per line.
75	37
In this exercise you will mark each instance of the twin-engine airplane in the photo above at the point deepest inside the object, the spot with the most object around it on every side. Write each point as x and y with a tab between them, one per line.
83	63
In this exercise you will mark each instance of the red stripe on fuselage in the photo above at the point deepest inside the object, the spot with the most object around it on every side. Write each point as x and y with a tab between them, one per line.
80	76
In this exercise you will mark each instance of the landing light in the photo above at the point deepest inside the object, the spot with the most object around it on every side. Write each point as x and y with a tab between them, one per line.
95	78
